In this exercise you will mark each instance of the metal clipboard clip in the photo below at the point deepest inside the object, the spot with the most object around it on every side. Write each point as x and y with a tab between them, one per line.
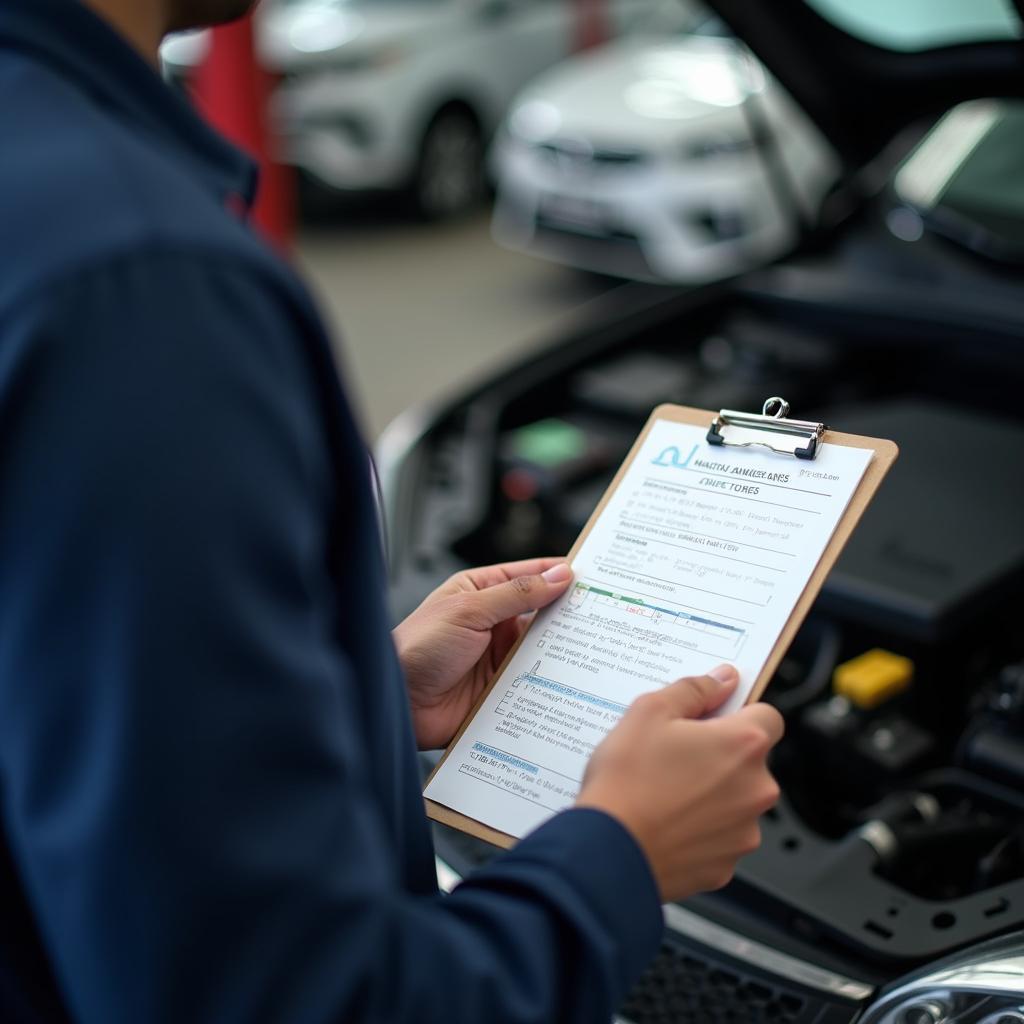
771	429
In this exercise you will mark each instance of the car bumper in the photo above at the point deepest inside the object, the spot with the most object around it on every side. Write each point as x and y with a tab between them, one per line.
656	219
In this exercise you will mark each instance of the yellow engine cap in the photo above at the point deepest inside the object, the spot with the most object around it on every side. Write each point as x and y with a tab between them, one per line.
872	678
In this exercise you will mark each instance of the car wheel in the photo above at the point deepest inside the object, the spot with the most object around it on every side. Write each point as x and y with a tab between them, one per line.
449	178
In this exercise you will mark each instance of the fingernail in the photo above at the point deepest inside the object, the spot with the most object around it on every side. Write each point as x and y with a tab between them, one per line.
557	573
724	674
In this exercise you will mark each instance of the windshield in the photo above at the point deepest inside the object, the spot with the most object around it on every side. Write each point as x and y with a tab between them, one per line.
922	24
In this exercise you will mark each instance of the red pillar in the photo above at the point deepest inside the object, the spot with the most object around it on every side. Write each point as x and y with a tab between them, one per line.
592	23
233	92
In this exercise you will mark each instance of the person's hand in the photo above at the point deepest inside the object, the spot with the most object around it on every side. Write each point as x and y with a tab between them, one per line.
453	644
689	791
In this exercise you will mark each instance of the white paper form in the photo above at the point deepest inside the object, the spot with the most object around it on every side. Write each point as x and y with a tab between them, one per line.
698	558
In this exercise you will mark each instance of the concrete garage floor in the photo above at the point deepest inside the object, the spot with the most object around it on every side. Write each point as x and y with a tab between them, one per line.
418	309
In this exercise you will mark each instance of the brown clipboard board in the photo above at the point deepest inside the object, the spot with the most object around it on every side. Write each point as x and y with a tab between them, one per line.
885	453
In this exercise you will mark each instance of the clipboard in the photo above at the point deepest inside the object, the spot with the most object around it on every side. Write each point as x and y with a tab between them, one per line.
772	429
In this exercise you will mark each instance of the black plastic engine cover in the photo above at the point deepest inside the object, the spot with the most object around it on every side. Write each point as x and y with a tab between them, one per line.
942	544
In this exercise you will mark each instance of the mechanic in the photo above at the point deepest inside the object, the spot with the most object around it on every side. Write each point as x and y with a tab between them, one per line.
210	796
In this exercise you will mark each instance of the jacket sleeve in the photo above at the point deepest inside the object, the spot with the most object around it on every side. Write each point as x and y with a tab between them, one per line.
186	789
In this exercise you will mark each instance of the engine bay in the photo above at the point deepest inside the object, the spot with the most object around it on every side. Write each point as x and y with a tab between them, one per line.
900	835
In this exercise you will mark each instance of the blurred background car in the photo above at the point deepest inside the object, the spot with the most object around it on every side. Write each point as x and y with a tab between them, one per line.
667	155
404	95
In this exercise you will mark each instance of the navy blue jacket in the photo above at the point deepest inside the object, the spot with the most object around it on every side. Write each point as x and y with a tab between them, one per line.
211	809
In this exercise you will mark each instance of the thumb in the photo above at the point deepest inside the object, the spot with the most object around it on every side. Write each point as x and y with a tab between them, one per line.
517	596
696	696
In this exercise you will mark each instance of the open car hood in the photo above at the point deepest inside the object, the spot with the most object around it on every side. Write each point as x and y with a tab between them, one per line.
862	95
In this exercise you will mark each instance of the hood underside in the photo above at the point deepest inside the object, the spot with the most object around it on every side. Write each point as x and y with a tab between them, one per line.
862	95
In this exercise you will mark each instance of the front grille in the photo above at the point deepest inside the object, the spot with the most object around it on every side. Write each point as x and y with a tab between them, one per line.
683	988
690	982
566	155
618	254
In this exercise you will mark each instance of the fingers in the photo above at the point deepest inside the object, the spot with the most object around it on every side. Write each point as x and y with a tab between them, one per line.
484	609
695	696
503	637
490	575
765	718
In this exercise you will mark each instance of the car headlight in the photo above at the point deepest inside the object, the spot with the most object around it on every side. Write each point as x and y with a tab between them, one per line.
942	1006
985	986
318	29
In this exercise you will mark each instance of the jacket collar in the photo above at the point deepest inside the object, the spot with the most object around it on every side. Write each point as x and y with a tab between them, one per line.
85	50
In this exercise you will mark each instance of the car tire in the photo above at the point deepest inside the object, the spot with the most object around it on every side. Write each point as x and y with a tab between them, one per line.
449	176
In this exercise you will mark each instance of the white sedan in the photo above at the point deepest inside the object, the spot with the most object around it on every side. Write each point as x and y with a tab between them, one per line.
664	156
405	94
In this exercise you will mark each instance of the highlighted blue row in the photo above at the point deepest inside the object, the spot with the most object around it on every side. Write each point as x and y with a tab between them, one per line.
568	691
515	762
626	599
696	618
